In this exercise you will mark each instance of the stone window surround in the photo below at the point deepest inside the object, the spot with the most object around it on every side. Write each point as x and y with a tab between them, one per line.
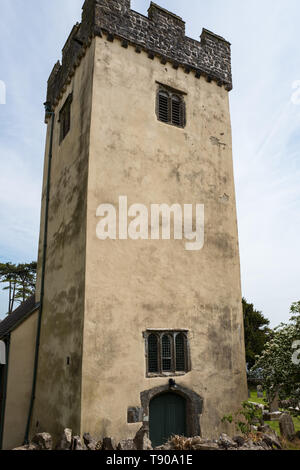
171	92
172	332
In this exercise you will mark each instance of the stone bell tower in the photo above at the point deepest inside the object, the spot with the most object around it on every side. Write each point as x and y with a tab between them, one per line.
138	333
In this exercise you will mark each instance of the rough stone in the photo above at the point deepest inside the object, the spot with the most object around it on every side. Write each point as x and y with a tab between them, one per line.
127	444
271	441
134	415
43	441
267	440
142	441
251	446
90	442
77	443
269	436
66	440
239	440
264	445
287	428
108	444
226	442
162	33
166	446
206	446
31	447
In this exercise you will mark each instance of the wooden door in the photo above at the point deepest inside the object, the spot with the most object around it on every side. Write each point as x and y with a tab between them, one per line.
167	417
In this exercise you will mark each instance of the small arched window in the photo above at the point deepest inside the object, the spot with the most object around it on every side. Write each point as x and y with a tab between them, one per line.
171	108
167	352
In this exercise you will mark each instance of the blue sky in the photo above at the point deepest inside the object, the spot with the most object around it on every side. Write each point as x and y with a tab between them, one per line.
265	108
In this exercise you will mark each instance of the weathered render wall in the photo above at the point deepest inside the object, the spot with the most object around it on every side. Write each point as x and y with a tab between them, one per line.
19	382
58	395
101	296
134	285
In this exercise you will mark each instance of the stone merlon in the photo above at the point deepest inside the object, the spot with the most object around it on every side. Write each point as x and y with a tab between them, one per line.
161	34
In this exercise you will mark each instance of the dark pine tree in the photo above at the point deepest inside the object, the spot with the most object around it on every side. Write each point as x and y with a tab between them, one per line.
257	332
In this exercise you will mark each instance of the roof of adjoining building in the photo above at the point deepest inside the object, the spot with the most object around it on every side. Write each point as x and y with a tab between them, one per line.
18	316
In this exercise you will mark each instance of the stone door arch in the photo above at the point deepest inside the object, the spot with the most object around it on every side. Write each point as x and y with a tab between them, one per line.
194	406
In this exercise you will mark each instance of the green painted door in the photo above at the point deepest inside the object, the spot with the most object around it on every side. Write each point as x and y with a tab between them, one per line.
167	417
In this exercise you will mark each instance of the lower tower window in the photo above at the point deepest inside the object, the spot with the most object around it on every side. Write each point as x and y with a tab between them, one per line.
167	353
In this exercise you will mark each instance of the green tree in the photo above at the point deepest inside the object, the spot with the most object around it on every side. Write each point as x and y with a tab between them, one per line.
257	332
19	281
279	362
295	311
26	277
8	276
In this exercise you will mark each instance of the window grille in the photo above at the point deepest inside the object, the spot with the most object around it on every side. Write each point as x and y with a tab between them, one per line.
180	352
153	353
171	108
167	352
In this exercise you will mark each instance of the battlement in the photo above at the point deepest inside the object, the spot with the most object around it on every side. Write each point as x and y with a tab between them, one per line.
161	16
160	34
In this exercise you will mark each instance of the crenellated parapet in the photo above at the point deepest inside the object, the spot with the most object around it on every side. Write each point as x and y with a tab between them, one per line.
161	34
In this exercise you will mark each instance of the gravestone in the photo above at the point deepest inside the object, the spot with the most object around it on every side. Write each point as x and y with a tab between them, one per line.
274	404
260	393
287	428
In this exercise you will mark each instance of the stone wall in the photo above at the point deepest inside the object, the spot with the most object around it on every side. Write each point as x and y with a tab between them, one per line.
161	33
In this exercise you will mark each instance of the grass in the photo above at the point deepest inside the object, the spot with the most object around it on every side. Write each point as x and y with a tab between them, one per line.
253	397
275	425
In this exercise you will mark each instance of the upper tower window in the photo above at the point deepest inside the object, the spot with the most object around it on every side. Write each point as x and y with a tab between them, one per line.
171	107
65	118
